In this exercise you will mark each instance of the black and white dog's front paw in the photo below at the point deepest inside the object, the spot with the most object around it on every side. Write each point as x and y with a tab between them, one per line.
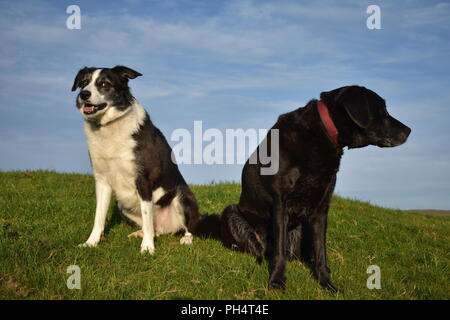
147	246
89	244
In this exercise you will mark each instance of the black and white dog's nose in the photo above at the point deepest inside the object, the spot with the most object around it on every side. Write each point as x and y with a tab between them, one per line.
85	94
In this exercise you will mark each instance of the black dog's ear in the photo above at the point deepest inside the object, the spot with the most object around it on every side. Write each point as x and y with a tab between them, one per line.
76	83
126	72
354	100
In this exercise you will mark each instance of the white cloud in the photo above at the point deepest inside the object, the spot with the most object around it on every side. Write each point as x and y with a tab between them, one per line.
256	10
428	15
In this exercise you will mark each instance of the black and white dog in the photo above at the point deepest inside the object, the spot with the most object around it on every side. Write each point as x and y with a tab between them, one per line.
131	157
284	216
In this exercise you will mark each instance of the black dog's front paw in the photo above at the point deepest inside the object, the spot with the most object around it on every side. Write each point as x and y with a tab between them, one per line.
259	260
327	284
324	279
277	283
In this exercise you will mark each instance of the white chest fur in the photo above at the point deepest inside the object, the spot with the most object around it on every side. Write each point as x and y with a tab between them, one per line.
111	150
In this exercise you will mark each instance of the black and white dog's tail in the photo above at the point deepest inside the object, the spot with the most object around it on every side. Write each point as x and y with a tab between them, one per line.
209	226
232	230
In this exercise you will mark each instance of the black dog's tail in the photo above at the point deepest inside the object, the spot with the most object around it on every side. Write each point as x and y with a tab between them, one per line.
209	226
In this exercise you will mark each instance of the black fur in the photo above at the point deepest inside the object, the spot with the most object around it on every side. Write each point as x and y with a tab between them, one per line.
83	77
156	169
284	216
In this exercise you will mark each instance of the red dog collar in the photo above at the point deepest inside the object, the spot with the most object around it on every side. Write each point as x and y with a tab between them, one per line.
328	122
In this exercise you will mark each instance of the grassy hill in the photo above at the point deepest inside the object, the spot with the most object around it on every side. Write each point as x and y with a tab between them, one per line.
44	215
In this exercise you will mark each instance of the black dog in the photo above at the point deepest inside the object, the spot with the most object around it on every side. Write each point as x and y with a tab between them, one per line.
284	216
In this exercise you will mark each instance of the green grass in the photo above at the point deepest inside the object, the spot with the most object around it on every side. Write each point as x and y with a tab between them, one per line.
45	215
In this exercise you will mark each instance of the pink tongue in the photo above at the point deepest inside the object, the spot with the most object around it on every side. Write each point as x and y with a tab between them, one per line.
88	109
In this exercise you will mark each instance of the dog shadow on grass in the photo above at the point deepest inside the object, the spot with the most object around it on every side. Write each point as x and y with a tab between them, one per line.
115	219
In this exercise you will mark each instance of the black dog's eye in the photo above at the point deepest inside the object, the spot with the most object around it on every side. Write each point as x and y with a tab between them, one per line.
84	83
105	85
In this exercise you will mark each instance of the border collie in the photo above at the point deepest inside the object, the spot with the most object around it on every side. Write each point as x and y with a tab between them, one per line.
130	157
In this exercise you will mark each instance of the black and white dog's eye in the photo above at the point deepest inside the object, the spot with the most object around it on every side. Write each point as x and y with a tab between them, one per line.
84	83
105	85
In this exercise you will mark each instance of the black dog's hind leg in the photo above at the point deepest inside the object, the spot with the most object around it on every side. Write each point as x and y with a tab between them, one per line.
237	231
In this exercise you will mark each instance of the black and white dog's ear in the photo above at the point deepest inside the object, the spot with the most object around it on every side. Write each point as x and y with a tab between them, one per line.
126	72
354	100
77	81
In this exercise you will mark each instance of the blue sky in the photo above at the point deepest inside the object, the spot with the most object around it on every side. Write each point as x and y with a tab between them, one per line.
234	64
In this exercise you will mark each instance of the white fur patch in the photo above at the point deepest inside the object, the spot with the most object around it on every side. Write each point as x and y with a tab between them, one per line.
96	97
169	219
103	195
112	156
148	244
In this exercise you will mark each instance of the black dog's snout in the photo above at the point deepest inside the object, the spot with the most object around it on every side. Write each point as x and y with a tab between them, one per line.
85	94
405	130
405	133
408	131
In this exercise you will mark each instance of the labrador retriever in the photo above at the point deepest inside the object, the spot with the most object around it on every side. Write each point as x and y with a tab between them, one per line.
284	216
